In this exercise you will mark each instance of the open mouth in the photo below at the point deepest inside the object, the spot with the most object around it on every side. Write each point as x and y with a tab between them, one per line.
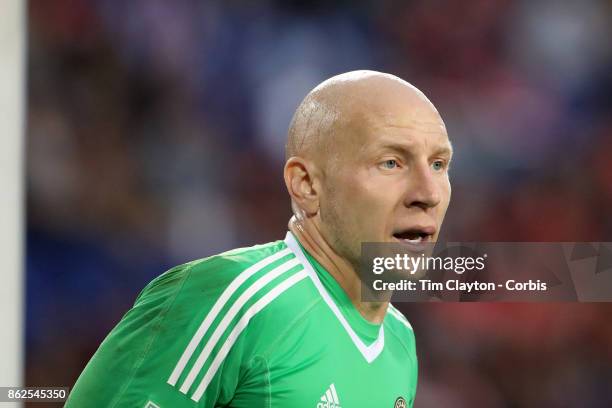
415	235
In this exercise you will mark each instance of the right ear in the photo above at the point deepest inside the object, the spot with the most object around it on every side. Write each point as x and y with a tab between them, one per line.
300	182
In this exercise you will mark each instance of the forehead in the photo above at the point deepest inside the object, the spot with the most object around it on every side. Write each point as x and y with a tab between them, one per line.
381	111
409	127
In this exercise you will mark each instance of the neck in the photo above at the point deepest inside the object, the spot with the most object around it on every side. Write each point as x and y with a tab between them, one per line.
307	233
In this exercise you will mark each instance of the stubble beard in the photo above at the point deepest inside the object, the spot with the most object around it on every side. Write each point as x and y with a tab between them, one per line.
339	235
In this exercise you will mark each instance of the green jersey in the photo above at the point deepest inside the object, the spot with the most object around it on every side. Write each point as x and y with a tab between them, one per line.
265	326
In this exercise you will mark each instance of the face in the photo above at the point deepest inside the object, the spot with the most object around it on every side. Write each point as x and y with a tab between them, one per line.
388	181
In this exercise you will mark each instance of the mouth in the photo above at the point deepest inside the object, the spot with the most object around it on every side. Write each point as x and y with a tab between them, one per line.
415	235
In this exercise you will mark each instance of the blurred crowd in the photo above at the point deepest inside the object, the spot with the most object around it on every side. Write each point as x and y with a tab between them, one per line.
155	135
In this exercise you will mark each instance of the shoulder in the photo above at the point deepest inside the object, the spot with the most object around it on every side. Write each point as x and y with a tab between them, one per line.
397	323
202	278
398	319
226	291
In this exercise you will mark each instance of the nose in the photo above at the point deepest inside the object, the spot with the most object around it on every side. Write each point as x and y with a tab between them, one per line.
423	190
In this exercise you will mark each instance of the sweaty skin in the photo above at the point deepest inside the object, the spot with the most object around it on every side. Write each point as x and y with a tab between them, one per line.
367	159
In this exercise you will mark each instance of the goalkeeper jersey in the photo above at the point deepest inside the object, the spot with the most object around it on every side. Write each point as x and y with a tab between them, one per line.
265	326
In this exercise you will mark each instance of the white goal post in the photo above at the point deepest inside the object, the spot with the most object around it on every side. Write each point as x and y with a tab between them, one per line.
12	135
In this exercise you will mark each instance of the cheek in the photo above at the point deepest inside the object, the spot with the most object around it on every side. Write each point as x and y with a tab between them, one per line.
360	190
372	202
445	191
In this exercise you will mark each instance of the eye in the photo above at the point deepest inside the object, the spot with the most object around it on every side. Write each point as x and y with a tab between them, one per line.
438	165
390	164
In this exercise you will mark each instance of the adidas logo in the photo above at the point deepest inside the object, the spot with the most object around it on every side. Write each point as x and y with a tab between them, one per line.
330	398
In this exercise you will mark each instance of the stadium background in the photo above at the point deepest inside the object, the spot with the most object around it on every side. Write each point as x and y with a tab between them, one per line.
155	134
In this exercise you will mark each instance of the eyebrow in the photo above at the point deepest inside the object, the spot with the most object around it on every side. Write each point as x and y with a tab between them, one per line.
438	150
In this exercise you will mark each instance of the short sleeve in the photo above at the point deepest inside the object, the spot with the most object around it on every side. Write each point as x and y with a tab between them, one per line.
133	366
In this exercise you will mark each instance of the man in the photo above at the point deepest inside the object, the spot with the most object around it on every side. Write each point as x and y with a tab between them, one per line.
283	324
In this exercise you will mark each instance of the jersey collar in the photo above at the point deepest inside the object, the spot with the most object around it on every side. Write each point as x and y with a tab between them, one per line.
369	352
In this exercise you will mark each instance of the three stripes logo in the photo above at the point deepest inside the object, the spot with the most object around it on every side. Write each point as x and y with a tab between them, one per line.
211	343
330	398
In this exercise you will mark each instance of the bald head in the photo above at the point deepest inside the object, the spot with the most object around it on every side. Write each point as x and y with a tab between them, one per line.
367	161
323	122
